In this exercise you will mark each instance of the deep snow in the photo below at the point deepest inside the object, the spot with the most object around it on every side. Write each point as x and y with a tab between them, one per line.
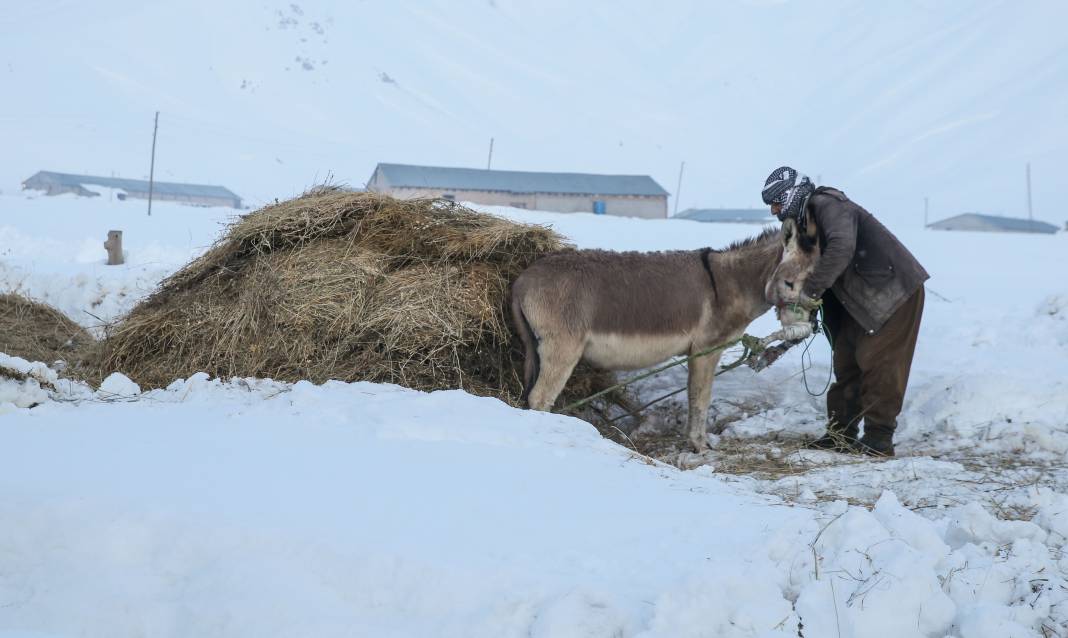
260	508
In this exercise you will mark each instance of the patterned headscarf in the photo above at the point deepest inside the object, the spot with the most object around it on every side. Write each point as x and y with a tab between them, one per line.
787	187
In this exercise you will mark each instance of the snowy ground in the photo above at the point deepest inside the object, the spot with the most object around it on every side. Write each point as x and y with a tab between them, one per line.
51	249
259	508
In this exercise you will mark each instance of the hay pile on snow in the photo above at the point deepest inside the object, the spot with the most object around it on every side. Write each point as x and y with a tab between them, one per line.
347	286
38	332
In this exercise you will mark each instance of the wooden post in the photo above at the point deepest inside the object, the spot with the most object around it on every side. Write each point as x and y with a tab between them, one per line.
1030	215
152	165
678	189
114	247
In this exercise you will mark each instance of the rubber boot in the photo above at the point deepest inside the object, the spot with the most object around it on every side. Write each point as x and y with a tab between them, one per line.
878	440
837	438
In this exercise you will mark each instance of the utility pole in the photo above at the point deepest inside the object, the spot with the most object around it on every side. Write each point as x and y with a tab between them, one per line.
1030	216
152	165
925	212
489	162
678	189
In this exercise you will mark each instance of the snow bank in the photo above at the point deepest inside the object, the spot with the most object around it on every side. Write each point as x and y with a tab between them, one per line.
21	383
260	508
26	384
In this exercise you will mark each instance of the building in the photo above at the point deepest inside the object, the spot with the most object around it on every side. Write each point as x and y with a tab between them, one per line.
195	194
729	215
993	224
622	195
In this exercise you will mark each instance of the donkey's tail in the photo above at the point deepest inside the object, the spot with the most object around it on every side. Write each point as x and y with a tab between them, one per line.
531	364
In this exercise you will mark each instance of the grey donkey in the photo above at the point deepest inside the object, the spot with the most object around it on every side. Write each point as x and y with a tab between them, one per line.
630	310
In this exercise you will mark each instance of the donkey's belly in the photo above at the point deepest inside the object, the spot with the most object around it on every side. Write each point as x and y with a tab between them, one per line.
631	352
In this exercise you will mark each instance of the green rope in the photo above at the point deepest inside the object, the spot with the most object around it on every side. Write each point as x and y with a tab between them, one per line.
749	342
753	347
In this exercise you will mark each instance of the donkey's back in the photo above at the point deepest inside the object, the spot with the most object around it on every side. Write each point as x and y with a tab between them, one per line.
614	292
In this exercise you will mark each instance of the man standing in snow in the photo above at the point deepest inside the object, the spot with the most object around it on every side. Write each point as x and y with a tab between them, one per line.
871	289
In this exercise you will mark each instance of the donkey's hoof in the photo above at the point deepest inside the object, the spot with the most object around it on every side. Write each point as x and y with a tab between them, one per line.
699	444
692	460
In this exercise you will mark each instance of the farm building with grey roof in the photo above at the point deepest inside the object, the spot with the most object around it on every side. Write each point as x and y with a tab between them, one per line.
622	195
197	194
728	215
993	223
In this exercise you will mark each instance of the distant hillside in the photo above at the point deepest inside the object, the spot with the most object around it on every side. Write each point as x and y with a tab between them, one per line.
890	101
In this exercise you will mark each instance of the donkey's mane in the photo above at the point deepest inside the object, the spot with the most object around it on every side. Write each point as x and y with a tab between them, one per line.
765	235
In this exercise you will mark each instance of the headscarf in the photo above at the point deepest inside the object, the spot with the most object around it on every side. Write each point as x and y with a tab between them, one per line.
791	189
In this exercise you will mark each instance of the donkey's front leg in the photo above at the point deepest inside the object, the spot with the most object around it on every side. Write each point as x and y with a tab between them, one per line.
699	392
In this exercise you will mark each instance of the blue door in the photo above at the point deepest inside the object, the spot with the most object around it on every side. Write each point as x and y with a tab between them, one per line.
598	207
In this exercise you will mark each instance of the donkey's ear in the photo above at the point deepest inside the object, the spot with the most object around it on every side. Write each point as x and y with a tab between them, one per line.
810	227
788	228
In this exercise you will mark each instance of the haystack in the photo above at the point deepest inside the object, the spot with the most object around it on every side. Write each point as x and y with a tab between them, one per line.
36	331
347	286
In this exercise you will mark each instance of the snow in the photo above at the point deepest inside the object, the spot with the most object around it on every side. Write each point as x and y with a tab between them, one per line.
21	382
254	507
249	507
51	249
352	503
118	384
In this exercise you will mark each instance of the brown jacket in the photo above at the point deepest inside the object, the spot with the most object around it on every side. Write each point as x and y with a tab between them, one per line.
865	266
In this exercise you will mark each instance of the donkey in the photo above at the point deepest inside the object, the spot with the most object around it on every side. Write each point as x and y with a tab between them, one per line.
628	311
801	251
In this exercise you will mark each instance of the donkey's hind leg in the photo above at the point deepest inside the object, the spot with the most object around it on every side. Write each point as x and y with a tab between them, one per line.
557	358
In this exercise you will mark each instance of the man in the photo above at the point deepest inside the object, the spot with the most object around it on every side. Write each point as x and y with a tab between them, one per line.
871	289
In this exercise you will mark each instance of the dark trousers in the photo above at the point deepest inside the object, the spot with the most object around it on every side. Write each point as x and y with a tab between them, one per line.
871	371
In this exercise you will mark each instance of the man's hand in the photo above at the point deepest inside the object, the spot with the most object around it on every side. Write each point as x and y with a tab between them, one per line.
759	361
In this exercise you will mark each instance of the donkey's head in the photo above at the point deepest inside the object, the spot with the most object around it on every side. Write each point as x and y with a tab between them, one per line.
801	251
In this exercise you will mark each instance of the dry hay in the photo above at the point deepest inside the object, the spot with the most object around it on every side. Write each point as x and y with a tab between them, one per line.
36	331
347	286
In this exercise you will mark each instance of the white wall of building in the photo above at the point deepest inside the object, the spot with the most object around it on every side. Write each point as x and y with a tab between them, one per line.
617	205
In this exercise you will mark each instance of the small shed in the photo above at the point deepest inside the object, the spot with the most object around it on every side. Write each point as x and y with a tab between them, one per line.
728	215
52	183
622	195
993	224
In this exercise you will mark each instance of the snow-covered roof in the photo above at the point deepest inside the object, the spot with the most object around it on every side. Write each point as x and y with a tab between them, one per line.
993	223
401	175
44	178
728	215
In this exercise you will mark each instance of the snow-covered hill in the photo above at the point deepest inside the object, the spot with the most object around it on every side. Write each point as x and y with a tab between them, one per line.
890	101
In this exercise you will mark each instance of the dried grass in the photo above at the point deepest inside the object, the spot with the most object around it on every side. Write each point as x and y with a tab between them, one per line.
36	331
347	286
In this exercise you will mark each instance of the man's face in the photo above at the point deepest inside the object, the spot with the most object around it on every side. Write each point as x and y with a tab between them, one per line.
776	209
